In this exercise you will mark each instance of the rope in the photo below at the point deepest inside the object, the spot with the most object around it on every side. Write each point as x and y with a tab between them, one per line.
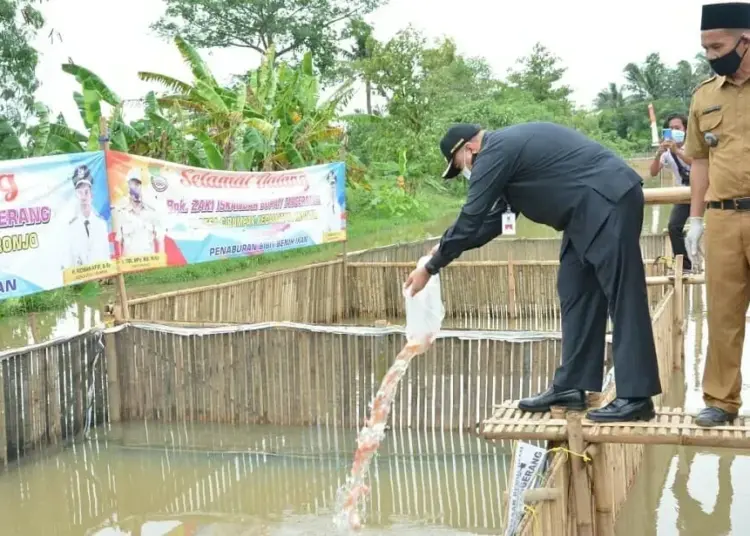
585	457
536	524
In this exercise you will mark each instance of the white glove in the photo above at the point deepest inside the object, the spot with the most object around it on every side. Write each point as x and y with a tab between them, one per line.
693	240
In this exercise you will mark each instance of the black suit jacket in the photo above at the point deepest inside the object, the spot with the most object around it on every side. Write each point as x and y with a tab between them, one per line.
547	172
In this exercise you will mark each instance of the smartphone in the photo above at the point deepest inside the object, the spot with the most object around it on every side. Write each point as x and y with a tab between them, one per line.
666	133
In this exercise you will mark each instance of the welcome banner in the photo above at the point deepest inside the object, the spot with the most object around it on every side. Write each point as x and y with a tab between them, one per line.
166	214
54	223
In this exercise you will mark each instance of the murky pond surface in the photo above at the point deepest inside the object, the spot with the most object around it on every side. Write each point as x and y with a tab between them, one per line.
153	480
689	491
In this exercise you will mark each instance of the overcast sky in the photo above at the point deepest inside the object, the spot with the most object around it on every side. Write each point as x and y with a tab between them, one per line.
113	39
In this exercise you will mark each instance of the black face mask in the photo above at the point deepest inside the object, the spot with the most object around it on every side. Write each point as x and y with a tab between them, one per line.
729	63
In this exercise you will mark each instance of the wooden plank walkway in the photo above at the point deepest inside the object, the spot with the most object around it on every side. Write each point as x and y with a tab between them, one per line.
670	427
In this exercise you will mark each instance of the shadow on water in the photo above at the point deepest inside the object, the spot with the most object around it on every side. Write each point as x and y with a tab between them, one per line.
206	479
689	491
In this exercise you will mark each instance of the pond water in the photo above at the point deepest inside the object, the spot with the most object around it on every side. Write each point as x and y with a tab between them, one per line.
149	480
682	491
153	480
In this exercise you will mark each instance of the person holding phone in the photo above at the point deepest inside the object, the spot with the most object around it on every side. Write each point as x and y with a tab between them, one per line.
671	153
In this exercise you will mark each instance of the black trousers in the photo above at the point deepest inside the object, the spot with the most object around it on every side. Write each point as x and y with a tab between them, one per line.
676	227
608	277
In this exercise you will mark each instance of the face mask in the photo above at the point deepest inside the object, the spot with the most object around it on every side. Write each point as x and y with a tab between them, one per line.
466	173
678	136
134	194
729	63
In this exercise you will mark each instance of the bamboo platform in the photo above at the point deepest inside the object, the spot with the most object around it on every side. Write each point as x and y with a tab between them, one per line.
672	426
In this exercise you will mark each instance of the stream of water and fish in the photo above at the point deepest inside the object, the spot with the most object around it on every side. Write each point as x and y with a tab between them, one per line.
145	479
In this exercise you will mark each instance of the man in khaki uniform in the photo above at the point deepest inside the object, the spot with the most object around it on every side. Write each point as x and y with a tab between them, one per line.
139	229
718	141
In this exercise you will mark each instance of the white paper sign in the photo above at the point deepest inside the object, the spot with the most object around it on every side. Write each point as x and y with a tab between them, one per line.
509	223
528	462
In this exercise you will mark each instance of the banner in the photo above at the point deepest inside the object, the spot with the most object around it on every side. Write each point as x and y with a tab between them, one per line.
166	214
54	223
528	463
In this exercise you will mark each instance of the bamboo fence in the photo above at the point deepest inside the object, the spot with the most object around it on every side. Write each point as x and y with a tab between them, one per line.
497	295
51	392
499	249
314	375
611	468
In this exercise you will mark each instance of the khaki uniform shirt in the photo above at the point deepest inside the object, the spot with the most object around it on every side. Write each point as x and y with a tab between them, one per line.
139	231
722	108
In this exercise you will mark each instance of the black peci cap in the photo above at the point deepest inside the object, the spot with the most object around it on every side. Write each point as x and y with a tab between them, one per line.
81	176
453	140
727	16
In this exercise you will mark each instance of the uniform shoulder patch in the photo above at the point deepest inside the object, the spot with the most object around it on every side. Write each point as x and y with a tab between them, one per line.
704	82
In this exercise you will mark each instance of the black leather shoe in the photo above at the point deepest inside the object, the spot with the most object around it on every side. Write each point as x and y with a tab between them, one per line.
623	410
712	416
569	398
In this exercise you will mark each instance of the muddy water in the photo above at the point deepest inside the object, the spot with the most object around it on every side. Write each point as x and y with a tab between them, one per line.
156	480
689	491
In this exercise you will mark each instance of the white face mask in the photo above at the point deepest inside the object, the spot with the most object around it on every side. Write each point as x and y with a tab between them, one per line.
466	173
678	136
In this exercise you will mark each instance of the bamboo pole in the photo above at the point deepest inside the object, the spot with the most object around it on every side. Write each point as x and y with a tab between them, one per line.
605	519
113	378
667	196
656	280
511	287
678	315
535	495
581	489
344	280
122	294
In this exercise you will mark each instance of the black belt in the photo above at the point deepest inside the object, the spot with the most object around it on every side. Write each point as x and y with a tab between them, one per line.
731	204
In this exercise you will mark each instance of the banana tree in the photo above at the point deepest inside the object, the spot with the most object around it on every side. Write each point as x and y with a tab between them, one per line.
269	119
43	139
160	135
155	135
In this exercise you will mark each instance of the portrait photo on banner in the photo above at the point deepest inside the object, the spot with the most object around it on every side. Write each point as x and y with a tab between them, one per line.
166	214
55	223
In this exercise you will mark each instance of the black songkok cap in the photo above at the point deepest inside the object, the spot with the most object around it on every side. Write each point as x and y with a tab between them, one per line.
728	16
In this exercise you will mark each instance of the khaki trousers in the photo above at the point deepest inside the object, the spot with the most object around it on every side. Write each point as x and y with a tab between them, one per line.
727	250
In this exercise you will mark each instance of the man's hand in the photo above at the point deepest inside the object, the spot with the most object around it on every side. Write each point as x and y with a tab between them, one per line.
666	145
434	249
693	239
417	280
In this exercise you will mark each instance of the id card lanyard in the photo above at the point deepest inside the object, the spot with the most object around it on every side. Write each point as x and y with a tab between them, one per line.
509	222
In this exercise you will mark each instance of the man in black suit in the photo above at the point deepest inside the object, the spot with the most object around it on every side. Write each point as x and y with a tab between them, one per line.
556	176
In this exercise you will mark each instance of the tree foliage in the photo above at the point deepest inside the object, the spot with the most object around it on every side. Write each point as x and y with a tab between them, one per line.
623	110
19	22
290	27
274	117
540	74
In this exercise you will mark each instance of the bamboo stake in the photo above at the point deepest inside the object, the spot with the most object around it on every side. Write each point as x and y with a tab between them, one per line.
122	294
678	315
511	287
344	280
113	378
581	489
605	520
